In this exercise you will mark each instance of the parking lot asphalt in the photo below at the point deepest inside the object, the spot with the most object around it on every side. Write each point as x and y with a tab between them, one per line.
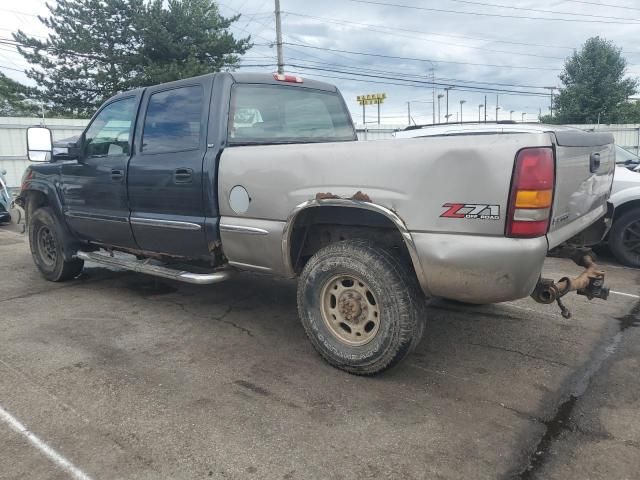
129	377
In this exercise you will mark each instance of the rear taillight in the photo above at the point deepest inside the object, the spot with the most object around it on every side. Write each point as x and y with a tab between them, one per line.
531	194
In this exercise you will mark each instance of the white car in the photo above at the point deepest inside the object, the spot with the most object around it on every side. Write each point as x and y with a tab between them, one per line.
624	236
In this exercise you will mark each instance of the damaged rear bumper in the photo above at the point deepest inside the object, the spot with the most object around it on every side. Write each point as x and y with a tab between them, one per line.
479	269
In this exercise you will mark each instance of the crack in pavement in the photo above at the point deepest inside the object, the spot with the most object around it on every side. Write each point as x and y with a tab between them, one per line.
561	420
524	354
78	284
220	318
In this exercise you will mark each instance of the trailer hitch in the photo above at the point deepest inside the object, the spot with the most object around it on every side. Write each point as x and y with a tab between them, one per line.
589	283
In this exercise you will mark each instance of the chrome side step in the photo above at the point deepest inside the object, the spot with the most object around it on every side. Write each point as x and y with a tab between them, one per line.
143	266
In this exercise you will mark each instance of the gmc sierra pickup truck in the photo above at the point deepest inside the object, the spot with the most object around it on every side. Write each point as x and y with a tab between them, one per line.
196	179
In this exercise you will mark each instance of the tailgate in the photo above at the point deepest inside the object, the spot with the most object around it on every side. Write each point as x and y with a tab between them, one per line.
585	162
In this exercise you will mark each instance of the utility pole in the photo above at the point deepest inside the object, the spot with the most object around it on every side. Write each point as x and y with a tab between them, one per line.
497	106
462	102
485	109
408	113
511	115
479	109
551	89
446	89
279	41
433	94
440	95
523	114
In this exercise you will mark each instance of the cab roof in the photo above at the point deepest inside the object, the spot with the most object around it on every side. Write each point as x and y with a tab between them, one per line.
268	79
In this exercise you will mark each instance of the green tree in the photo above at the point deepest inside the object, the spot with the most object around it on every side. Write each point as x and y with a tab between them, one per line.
90	54
15	98
97	48
594	84
187	38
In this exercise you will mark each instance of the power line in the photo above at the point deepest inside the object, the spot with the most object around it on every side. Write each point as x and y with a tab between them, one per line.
362	69
9	68
603	4
336	77
499	15
467	88
18	12
448	35
420	59
483	4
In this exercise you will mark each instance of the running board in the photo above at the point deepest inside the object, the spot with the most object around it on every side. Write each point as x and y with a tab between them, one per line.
142	266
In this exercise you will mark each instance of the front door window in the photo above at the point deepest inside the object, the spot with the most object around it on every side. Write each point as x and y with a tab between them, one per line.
110	132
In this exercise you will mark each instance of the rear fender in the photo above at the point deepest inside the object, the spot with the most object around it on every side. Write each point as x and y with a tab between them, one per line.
351	203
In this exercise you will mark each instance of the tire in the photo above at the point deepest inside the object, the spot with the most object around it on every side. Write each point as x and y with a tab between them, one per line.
360	306
624	238
47	239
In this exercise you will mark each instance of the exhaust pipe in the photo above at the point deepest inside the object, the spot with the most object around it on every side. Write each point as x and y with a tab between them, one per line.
589	283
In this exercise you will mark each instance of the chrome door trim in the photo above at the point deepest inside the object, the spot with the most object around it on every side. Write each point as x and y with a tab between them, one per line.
155	222
225	227
90	216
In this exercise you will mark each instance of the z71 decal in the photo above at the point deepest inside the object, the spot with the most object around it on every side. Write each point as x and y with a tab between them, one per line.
471	210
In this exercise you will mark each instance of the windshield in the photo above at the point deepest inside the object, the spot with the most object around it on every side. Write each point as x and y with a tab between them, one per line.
263	114
626	158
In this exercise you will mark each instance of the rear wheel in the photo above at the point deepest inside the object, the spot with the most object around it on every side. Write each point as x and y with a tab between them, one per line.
361	307
46	239
624	238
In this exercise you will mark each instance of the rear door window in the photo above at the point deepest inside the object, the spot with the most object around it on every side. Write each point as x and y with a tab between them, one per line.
281	114
173	120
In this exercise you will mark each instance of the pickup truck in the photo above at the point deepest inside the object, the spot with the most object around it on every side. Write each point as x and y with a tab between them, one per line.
196	179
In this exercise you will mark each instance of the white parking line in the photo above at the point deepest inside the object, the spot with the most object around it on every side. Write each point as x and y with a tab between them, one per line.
625	294
21	235
54	456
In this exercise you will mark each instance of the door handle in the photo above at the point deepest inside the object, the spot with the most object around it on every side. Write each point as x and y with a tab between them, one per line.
117	174
182	175
594	162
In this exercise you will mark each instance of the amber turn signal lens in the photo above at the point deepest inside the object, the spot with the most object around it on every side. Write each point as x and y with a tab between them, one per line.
534	198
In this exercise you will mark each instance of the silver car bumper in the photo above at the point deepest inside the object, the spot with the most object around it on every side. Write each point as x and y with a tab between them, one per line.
479	269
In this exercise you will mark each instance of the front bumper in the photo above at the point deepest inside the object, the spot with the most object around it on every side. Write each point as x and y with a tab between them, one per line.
479	269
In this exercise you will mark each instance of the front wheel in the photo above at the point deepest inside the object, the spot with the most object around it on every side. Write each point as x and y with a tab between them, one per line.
360	306
624	238
46	239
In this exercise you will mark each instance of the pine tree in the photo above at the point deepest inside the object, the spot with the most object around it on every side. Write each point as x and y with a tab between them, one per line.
15	98
97	48
91	53
187	38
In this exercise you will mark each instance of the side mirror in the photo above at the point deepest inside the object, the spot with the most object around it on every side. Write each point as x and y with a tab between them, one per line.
70	151
39	144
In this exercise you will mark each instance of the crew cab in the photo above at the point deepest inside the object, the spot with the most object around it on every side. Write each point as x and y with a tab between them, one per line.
196	179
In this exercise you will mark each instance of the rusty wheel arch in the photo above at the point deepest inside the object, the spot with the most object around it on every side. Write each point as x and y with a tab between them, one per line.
351	203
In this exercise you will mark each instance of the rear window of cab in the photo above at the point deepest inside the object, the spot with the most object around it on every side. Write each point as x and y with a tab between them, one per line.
262	114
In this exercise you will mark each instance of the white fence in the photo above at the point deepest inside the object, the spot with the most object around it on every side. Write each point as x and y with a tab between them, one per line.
626	135
13	141
13	138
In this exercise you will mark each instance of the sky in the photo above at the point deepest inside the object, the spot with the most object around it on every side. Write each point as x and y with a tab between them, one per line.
474	46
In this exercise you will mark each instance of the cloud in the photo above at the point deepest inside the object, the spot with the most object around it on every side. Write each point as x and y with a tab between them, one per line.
400	32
